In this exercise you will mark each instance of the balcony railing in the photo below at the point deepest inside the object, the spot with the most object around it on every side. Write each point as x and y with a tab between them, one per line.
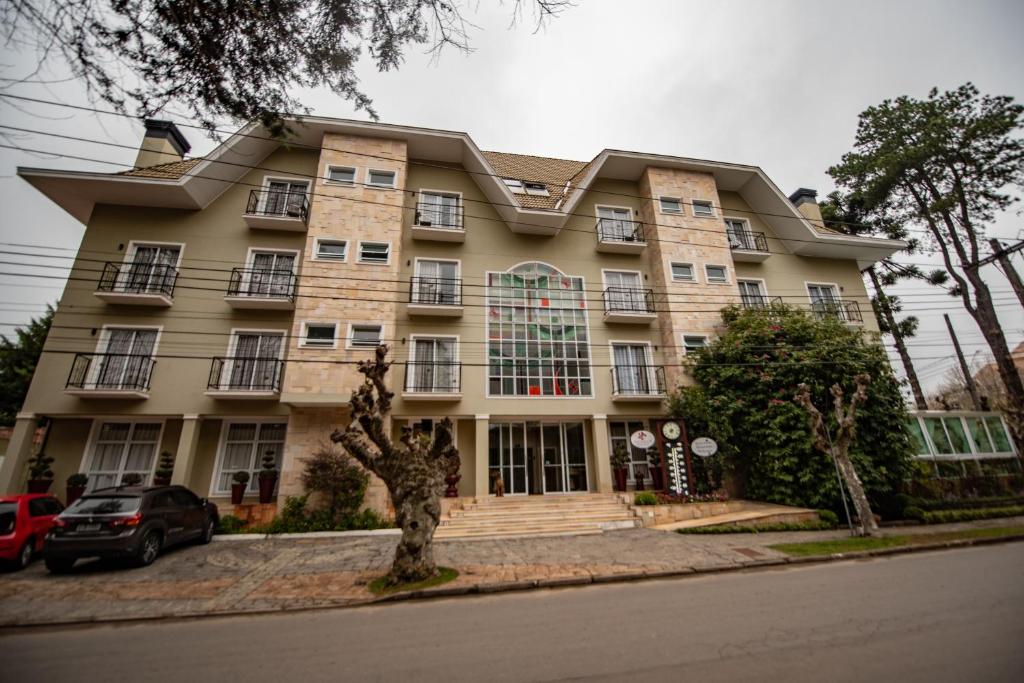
263	283
278	204
638	380
435	291
138	277
844	309
620	230
745	240
628	300
245	374
433	377
439	217
110	372
759	301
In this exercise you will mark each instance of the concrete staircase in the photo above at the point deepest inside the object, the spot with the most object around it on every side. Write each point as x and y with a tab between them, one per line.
553	515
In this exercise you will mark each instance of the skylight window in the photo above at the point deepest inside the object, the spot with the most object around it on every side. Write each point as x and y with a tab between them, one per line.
539	189
514	185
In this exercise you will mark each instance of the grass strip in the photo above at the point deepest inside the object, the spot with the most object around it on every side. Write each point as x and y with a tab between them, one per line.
850	545
444	575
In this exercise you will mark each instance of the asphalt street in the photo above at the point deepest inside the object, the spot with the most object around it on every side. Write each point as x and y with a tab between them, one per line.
955	615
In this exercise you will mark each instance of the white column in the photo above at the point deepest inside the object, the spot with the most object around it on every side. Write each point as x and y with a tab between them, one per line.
482	468
184	460
602	455
19	450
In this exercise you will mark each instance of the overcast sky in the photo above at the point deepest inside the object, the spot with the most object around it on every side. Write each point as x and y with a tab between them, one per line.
776	84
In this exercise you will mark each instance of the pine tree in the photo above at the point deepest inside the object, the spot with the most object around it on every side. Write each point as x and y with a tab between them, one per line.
18	359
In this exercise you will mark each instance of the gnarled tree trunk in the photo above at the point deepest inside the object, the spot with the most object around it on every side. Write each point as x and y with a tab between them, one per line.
413	471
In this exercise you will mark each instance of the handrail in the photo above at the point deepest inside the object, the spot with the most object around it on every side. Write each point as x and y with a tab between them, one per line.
433	377
264	283
245	373
110	371
278	203
638	380
629	300
436	291
620	230
138	277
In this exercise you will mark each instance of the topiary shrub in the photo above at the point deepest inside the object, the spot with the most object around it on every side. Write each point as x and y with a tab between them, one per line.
131	479
645	498
338	478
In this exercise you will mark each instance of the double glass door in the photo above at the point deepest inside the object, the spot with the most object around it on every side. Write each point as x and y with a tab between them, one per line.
624	291
615	224
632	368
126	360
536	457
437	282
285	198
254	365
271	274
151	269
433	366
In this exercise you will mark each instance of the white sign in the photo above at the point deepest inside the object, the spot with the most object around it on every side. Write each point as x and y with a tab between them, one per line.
642	439
704	447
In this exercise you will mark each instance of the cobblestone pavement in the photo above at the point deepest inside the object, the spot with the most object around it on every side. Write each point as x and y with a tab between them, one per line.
279	574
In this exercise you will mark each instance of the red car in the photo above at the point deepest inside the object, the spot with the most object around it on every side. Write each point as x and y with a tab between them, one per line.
25	520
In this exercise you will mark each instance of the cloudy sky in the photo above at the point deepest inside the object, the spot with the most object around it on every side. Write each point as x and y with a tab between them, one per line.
776	84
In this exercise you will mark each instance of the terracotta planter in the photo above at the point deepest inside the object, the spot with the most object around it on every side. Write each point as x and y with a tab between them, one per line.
39	485
161	481
453	485
621	475
73	493
267	485
237	493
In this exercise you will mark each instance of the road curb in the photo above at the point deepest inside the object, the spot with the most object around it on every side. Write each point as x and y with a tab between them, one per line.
530	584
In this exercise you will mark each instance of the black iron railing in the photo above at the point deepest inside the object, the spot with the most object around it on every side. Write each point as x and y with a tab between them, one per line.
110	372
638	380
263	283
436	291
138	277
620	230
844	309
278	203
433	377
443	217
745	240
759	301
245	373
628	300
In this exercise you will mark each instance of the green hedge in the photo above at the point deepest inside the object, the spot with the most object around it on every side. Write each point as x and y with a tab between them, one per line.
967	503
294	518
962	515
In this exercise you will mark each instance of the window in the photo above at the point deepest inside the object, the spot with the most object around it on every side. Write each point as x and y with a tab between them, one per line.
514	185
343	175
255	362
331	250
693	342
670	205
740	235
825	300
375	252
271	274
640	458
321	335
716	274
751	294
702	208
437	283
537	333
615	224
632	371
623	292
120	448
439	210
124	359
150	269
683	272
382	178
285	198
433	367
536	188
365	336
242	449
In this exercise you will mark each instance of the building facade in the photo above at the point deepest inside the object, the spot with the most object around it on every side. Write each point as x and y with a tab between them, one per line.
217	306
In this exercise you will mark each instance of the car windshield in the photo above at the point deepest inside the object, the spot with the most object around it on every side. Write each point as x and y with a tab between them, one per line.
104	505
8	513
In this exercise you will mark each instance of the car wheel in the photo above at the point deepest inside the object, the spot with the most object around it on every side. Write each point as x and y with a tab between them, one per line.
59	565
207	535
25	555
148	549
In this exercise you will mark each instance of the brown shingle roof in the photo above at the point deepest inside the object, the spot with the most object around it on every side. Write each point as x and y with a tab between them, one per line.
168	171
554	173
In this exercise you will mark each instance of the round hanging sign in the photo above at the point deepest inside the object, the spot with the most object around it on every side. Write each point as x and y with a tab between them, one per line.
704	447
642	439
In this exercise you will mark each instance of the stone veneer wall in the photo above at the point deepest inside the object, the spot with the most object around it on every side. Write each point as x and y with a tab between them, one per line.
695	306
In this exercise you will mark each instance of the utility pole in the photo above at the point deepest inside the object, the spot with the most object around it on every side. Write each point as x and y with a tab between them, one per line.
968	379
1001	254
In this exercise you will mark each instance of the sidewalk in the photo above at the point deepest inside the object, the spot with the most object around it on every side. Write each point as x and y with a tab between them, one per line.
286	574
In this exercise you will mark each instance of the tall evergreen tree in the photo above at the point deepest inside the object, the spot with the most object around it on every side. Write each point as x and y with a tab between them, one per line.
18	358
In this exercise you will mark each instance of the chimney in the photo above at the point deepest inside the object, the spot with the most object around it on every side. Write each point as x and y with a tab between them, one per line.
162	144
806	202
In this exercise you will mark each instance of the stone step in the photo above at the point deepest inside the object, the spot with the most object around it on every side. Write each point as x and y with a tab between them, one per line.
502	523
541	506
478	513
536	529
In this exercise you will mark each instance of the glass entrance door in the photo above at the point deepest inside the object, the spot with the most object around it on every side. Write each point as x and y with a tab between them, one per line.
534	457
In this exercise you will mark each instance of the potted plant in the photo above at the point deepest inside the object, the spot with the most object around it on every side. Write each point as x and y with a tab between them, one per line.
239	483
40	476
657	473
638	479
76	484
620	466
164	470
131	479
268	477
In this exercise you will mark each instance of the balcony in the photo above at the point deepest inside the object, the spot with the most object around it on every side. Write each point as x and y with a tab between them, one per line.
110	375
432	381
629	305
435	297
277	210
747	245
137	284
759	302
439	223
638	383
261	288
844	309
620	236
245	378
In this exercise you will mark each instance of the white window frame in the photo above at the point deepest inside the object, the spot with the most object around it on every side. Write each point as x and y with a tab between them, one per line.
514	185
445	193
678	200
703	202
640	287
708	279
265	187
835	289
225	424
233	345
684	335
379	186
315	256
359	253
304	332
103	342
343	183
431	259
360	347
672	275
411	354
133	245
652	378
94	433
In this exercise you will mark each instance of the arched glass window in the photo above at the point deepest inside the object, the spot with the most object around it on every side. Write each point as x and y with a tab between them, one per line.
537	333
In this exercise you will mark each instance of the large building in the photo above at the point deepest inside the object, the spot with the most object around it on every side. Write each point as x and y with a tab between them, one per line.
217	306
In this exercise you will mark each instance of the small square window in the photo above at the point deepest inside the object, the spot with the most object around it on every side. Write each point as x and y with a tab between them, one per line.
539	189
702	208
331	250
683	272
514	185
365	336
716	274
344	175
382	178
375	252
670	205
320	334
693	342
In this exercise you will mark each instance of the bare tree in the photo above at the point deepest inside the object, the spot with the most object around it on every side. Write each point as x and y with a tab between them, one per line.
413	471
839	448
